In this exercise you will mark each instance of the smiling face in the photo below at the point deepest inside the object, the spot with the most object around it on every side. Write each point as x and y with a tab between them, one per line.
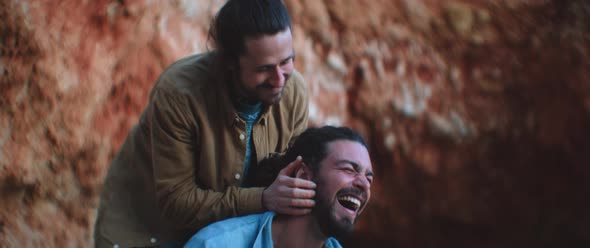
265	67
343	187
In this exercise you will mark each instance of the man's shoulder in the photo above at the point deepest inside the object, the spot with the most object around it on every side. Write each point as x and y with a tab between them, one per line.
191	72
237	229
332	243
202	61
231	224
296	82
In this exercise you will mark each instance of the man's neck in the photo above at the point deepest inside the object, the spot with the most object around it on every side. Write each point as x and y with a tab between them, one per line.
297	231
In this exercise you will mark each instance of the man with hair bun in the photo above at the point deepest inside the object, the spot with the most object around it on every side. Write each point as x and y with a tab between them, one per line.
209	120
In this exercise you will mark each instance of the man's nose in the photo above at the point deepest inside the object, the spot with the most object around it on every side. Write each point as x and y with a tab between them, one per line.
278	77
362	183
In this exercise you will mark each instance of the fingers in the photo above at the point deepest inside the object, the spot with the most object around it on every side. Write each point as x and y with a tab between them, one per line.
297	182
296	211
302	203
292	167
290	195
293	206
298	193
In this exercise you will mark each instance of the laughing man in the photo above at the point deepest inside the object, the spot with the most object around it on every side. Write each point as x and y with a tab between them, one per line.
337	160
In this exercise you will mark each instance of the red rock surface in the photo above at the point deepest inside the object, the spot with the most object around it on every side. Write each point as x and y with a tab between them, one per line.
477	112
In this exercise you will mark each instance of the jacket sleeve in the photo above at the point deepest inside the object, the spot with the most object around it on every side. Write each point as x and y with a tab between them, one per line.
180	199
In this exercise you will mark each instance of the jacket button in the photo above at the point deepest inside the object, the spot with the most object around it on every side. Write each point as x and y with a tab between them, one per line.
237	176
242	137
153	240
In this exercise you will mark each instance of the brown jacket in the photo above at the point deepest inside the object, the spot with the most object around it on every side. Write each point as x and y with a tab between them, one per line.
181	166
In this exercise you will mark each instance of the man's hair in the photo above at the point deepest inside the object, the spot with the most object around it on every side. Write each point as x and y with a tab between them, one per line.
241	19
311	145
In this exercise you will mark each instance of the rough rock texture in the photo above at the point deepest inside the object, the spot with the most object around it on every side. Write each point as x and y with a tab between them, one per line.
477	112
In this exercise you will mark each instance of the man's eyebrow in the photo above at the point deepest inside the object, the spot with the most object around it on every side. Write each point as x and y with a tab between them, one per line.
292	56
271	65
355	165
346	161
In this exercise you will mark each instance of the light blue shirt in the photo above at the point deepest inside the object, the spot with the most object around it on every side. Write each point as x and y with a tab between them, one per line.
246	231
250	114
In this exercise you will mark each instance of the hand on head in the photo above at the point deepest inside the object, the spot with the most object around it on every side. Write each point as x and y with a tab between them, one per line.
290	195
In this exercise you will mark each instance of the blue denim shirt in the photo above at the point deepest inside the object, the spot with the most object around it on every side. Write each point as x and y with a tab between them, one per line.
250	114
246	231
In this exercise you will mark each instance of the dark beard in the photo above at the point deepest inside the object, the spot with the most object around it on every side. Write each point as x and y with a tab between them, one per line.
324	213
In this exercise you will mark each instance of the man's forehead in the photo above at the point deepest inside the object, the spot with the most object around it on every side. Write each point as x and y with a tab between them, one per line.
351	151
267	42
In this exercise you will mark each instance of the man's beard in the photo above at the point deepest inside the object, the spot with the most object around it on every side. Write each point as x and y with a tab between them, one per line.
325	214
259	94
269	99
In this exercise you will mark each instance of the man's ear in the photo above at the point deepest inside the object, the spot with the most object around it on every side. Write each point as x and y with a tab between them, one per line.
304	172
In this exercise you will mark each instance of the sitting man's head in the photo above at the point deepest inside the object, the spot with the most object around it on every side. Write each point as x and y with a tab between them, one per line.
337	160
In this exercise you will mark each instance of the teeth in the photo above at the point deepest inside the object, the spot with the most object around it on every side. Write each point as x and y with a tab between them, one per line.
351	199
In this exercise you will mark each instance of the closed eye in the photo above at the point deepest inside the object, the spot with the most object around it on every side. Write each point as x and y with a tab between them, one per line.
265	68
286	61
369	176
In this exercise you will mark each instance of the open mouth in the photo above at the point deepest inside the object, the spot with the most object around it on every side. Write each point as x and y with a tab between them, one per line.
350	202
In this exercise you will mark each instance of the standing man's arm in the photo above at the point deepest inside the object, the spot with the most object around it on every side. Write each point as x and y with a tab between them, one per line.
182	200
174	152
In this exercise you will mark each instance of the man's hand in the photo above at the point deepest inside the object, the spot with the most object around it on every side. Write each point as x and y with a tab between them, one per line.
289	195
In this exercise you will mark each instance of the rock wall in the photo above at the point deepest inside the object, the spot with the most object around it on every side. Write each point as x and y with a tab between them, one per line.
477	112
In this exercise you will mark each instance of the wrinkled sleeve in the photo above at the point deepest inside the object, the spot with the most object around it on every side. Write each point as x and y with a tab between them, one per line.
174	135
